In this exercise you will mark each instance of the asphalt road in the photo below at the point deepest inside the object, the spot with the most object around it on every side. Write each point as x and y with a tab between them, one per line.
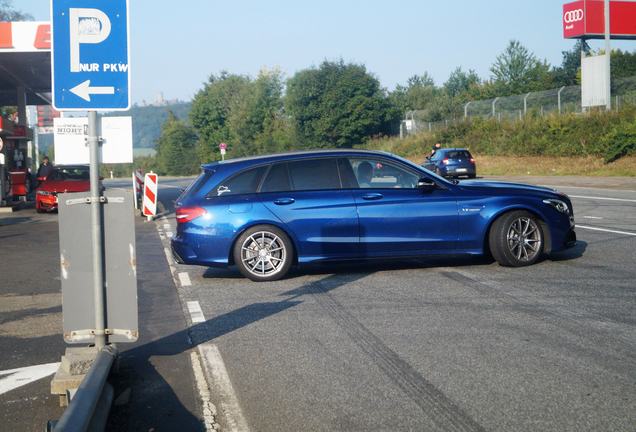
445	344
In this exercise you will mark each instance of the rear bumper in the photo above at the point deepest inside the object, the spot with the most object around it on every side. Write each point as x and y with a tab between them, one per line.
459	171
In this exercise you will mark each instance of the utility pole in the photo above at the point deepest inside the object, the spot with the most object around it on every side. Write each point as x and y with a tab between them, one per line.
608	54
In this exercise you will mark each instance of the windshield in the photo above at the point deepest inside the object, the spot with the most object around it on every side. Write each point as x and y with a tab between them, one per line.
70	173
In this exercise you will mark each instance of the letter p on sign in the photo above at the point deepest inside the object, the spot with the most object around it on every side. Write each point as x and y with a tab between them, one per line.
87	26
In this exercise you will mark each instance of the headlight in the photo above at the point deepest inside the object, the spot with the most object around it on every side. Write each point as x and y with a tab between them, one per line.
558	204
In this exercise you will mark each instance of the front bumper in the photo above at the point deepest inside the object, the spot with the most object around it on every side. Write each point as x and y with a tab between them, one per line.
46	202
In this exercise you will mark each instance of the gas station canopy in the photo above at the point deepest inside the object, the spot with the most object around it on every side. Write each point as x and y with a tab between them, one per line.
25	62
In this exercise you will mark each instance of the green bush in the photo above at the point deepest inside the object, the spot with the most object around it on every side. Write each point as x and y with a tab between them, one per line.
608	135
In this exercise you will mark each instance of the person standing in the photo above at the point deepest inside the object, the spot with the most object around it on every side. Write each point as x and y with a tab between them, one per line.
45	168
436	147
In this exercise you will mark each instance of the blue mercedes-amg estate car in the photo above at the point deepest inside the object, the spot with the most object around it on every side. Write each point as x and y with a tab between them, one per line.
267	213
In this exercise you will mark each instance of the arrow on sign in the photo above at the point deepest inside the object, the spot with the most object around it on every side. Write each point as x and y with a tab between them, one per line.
18	377
84	90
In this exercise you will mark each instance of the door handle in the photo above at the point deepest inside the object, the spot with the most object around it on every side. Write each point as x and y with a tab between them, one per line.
284	201
372	196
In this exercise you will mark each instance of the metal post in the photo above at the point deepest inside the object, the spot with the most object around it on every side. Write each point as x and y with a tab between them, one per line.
559	98
608	55
96	231
525	104
494	103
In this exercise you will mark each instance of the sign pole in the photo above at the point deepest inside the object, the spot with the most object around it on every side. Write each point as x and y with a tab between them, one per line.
96	231
608	55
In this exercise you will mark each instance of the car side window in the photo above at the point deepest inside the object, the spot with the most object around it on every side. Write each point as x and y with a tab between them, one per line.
314	174
379	174
242	183
277	179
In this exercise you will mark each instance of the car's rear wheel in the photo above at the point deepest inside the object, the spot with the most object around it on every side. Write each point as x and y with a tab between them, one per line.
263	253
516	239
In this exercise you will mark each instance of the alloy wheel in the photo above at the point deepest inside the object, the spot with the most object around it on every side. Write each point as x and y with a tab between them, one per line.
263	254
524	239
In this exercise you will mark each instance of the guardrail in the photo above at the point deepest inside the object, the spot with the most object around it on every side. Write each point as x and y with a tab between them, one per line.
88	409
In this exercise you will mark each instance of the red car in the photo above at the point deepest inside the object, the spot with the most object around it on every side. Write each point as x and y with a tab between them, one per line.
67	178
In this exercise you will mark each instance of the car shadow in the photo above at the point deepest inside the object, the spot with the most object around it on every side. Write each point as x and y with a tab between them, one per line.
569	254
154	404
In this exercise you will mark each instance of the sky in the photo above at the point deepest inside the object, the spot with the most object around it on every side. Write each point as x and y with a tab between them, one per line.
177	45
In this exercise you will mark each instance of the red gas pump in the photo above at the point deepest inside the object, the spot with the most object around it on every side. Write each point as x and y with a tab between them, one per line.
20	184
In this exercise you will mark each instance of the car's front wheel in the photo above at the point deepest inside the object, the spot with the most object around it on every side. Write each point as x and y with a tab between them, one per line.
516	239
263	253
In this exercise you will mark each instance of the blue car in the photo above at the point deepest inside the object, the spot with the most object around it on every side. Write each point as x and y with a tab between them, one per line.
452	162
265	214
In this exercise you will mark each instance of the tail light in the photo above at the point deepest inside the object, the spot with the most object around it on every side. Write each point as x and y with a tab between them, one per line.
445	161
187	214
472	161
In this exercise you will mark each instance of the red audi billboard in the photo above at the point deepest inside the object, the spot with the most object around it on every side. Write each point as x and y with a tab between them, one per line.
586	19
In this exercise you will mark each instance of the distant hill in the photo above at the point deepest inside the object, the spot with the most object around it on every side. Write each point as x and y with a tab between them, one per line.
147	121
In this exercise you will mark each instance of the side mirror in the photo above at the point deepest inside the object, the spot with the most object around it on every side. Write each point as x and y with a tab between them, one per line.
426	184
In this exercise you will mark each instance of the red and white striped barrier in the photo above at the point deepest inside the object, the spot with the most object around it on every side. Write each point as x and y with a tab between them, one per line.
138	186
149	203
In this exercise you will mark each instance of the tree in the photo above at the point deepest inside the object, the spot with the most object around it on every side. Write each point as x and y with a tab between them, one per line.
176	152
460	82
8	13
211	110
623	64
336	104
568	73
253	119
517	70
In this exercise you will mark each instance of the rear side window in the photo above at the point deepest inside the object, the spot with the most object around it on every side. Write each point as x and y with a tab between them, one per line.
242	183
314	174
197	184
277	179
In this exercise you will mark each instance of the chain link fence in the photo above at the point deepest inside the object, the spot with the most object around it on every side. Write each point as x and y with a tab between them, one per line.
548	102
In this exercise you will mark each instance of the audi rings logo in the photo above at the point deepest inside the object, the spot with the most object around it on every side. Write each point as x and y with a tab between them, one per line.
573	16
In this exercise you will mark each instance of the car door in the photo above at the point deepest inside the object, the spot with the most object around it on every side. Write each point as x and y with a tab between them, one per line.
307	196
397	218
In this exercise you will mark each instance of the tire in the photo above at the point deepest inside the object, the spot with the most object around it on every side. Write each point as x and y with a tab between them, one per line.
263	253
516	239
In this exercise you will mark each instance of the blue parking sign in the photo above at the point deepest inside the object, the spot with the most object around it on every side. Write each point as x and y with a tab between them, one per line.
90	57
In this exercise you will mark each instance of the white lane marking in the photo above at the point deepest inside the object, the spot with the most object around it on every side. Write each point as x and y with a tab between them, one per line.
217	374
26	375
602	198
196	314
605	230
166	227
169	234
168	256
587	188
209	410
215	369
592	217
184	279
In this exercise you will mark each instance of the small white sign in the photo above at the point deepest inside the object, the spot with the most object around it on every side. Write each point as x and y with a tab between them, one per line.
594	81
70	139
